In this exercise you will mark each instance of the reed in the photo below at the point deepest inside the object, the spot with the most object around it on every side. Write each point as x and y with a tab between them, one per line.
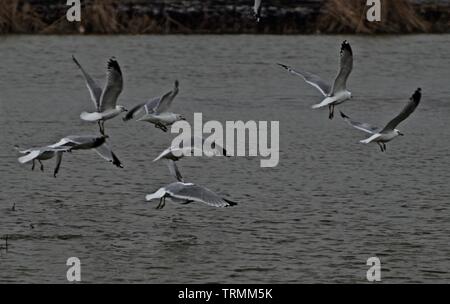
17	17
349	16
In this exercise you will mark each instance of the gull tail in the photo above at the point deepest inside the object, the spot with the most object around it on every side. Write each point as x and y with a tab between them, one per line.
158	194
370	139
91	116
326	102
29	157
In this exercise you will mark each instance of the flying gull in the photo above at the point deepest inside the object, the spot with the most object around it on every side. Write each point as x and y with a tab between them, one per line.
176	153
156	110
42	154
186	193
105	101
334	94
89	142
389	132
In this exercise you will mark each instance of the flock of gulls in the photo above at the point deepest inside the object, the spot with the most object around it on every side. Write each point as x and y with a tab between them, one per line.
157	112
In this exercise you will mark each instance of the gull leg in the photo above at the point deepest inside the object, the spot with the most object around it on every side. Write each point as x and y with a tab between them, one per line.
384	147
42	165
101	125
32	167
381	147
161	127
160	201
331	116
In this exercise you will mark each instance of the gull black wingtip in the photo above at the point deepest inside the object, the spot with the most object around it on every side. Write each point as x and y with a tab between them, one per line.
417	95
230	203
283	66
343	115
113	64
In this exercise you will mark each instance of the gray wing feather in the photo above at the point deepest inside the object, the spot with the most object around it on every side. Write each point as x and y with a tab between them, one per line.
113	87
196	193
365	127
346	67
407	111
94	89
174	171
311	79
166	100
135	110
106	153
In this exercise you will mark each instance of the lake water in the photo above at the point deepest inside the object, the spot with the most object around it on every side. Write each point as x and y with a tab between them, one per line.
328	206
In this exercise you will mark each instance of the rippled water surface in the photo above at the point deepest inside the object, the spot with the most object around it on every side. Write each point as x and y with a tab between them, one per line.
317	217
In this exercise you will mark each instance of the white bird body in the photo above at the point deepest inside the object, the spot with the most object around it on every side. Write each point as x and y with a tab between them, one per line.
335	100
381	137
106	115
165	119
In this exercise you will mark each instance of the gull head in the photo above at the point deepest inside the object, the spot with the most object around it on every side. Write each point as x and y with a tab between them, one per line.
398	132
180	117
121	109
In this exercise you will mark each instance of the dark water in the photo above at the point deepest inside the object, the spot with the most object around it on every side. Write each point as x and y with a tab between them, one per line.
317	217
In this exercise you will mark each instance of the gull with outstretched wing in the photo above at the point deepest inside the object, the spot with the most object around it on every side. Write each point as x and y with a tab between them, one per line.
157	110
105	100
383	135
337	92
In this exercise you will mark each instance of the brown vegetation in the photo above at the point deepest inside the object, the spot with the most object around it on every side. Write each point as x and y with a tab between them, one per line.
215	16
397	16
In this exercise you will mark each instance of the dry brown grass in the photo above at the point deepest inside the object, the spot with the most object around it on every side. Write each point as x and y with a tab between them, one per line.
349	16
104	17
16	17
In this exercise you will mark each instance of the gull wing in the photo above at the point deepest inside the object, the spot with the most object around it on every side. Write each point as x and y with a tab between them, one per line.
94	89
166	100
113	87
407	111
107	154
365	127
174	171
346	67
191	192
311	79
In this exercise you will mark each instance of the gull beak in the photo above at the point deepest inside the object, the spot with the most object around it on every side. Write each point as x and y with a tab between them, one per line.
401	134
